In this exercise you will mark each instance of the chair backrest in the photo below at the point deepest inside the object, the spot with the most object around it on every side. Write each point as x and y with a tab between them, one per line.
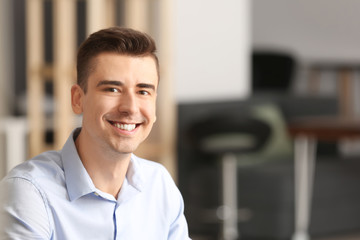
272	71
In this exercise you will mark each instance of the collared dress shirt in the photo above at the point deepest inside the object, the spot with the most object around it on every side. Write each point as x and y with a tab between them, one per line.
53	197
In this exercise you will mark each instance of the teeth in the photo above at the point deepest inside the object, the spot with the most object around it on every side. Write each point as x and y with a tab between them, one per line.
127	127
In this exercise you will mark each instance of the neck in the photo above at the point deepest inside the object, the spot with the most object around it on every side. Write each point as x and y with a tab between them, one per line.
106	169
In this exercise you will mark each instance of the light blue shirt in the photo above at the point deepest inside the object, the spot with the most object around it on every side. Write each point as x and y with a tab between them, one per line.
53	197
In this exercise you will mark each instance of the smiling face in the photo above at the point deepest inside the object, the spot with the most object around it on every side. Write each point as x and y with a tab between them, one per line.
119	105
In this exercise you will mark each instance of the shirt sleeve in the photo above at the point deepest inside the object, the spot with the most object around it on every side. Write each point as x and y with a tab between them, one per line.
179	228
23	213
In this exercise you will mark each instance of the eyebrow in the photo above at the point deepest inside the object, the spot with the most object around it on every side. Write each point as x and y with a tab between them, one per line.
119	83
146	85
109	82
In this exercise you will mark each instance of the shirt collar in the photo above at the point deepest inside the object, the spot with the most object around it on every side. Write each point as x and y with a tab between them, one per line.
135	174
78	181
134	181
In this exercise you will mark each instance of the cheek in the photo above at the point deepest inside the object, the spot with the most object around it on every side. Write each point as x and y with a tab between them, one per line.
149	111
152	111
95	108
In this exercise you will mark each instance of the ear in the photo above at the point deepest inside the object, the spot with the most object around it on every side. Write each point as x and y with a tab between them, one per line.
77	95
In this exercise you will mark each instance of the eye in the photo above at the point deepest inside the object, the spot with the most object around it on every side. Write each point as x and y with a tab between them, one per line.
114	90
144	92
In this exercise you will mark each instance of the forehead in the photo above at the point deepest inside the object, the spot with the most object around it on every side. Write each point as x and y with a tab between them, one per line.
114	65
107	59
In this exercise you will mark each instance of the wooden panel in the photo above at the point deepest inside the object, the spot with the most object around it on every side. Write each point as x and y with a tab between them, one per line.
64	72
137	14
100	14
166	102
110	13
346	84
35	85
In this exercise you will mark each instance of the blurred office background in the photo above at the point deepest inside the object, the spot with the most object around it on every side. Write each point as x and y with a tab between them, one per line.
242	70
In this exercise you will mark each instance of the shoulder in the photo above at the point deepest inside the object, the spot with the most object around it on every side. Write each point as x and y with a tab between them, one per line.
40	172
155	166
151	169
45	164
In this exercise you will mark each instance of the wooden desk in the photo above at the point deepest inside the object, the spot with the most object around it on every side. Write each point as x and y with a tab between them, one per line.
306	132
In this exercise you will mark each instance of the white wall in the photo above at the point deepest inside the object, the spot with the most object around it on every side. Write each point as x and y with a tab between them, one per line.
212	37
314	30
321	31
211	50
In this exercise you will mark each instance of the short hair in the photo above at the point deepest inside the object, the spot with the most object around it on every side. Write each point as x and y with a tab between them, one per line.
121	40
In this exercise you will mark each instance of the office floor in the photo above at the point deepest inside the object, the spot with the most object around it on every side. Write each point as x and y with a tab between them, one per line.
341	237
338	237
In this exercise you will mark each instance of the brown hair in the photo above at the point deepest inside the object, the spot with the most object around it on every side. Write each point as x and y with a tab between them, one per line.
120	40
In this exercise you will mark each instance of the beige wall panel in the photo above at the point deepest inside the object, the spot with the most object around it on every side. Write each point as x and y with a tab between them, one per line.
100	14
64	72
137	14
35	63
166	103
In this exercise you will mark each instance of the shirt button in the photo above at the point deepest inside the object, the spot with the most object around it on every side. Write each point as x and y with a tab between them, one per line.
96	194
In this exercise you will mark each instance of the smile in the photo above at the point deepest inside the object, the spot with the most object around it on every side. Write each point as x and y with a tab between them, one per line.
123	126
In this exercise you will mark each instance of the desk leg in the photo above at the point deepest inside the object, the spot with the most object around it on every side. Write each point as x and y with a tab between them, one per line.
305	152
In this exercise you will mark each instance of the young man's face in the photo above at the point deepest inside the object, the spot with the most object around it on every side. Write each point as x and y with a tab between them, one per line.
119	105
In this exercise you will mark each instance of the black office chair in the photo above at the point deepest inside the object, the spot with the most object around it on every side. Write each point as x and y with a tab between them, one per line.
272	70
226	136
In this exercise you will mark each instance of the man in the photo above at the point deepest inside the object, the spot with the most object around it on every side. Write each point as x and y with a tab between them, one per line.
95	188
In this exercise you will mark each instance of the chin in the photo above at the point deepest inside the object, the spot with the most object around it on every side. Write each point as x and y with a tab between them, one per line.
125	150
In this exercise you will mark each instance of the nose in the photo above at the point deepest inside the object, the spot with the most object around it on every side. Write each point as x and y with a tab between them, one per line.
128	104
